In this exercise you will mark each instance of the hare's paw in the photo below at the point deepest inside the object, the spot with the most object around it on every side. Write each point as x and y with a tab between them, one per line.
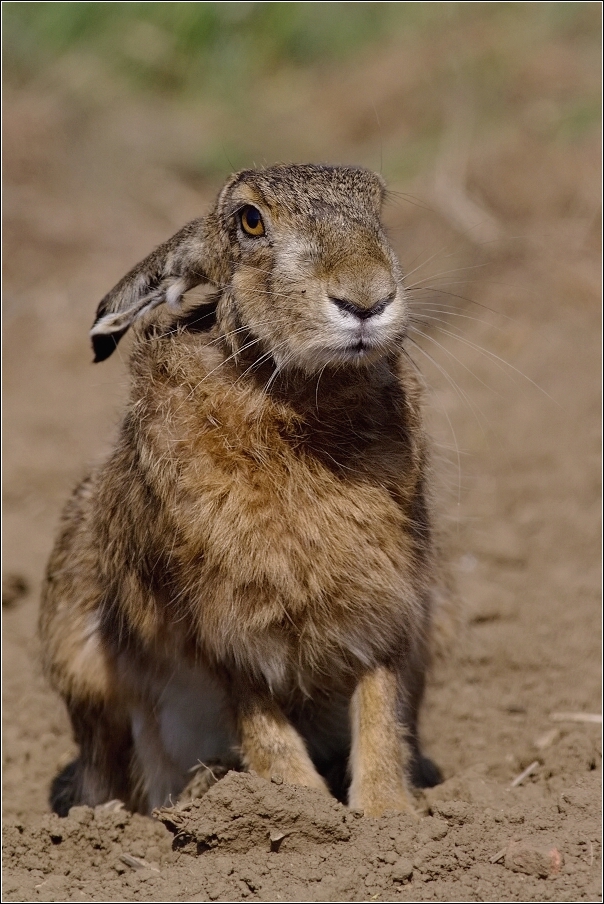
271	747
376	795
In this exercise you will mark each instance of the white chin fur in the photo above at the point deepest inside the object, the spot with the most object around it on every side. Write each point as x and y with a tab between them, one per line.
314	358
350	341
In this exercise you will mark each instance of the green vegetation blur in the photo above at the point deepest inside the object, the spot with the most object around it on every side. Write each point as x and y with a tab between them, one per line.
192	46
257	63
195	46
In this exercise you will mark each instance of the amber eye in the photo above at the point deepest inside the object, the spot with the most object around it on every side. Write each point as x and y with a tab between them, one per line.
251	221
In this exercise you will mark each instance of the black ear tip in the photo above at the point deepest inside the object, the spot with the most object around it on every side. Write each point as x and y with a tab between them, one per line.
104	344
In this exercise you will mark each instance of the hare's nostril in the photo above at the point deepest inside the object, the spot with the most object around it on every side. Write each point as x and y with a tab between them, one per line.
363	313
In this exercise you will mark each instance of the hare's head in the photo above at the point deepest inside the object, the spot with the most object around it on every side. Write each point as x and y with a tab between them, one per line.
301	262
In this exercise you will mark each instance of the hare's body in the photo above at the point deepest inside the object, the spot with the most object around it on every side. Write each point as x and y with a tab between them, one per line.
251	569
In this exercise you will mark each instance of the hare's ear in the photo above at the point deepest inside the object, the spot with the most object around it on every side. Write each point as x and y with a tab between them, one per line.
178	265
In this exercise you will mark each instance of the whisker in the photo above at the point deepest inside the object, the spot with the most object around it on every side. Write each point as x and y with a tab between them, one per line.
499	362
396	196
457	389
443	274
465	298
264	357
321	372
448	312
455	446
451	355
279	368
429	259
218	366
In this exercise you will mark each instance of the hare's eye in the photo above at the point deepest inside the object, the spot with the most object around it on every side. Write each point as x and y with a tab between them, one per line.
251	221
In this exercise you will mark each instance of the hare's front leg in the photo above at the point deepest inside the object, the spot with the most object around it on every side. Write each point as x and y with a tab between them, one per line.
378	755
271	746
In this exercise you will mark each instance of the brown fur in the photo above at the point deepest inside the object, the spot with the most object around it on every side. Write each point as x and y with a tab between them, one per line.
252	567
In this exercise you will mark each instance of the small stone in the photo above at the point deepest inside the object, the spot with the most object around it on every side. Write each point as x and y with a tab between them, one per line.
137	863
277	779
275	838
402	870
534	857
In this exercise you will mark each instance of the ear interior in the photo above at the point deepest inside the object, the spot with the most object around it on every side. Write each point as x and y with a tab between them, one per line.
109	328
164	276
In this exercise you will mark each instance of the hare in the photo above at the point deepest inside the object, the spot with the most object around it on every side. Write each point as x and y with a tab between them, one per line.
250	572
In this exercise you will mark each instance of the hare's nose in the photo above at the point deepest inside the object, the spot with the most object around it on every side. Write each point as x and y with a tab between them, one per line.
362	312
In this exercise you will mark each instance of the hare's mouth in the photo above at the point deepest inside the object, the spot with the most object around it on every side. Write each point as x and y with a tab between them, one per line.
361	348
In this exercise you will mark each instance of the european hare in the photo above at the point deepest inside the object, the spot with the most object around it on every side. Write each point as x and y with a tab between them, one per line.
251	569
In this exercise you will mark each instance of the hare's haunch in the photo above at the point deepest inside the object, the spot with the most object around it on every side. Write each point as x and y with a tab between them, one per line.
250	572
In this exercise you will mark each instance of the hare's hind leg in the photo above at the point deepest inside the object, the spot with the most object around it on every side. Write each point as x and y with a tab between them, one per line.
104	769
82	669
379	754
181	719
81	665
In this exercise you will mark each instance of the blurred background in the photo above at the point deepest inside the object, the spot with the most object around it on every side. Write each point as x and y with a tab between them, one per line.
121	121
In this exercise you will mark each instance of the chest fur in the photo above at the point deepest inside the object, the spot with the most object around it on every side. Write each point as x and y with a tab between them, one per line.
290	535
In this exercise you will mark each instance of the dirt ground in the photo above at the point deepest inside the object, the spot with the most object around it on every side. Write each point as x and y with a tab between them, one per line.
503	255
